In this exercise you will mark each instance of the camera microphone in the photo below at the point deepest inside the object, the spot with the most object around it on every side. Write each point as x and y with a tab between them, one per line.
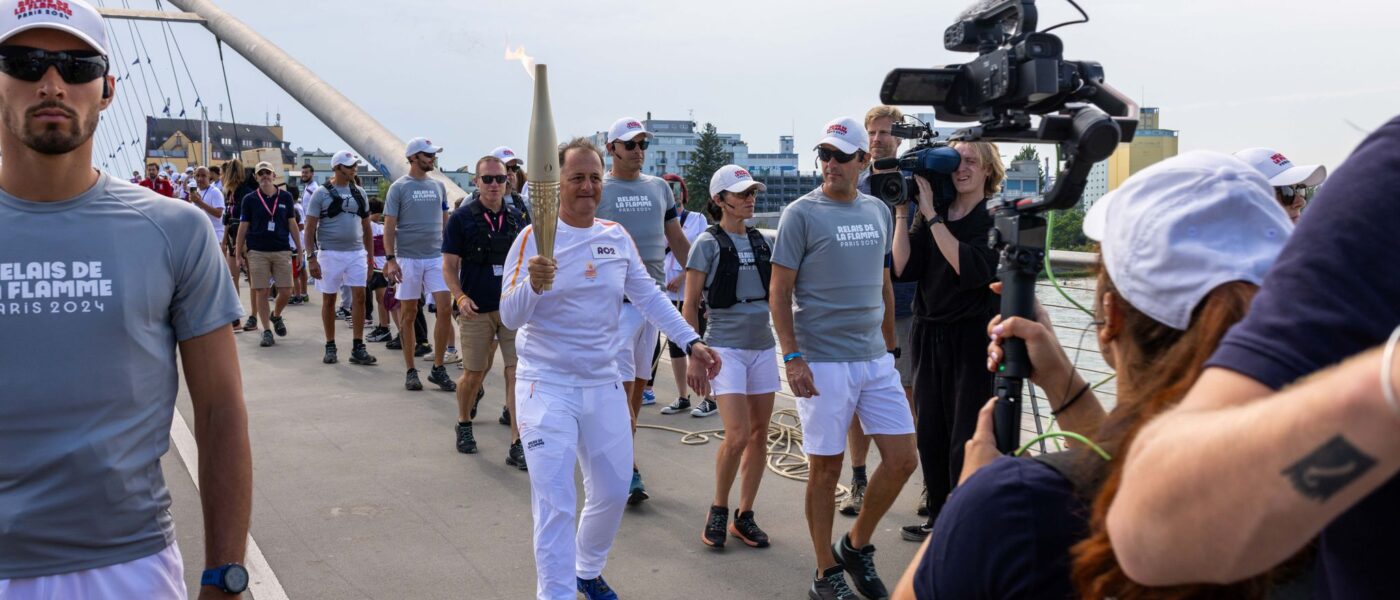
885	164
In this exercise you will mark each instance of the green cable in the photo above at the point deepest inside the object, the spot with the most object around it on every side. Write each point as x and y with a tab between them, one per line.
1065	434
1050	271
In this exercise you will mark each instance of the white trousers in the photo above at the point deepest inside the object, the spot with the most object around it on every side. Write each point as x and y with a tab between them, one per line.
561	426
160	576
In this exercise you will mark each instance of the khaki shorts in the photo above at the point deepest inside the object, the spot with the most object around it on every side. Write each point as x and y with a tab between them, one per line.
476	336
269	265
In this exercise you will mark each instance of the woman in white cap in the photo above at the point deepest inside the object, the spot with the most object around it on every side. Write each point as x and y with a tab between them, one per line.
1184	246
729	267
1293	184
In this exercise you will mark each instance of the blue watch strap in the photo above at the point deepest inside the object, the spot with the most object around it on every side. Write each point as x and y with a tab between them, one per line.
214	576
791	356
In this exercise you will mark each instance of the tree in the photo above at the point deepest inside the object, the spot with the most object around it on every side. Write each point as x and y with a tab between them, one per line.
1068	230
1028	152
708	157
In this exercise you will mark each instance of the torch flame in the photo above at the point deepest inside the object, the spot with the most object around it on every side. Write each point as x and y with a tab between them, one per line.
525	60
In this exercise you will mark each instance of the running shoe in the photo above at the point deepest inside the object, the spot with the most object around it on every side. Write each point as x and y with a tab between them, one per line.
922	510
252	323
831	585
747	530
705	408
850	505
305	299
648	397
680	405
452	357
359	355
330	358
379	334
395	344
515	457
279	325
439	377
466	442
341	313
505	416
294	301
595	589
637	492
411	381
860	565
916	533
267	339
422	349
713	535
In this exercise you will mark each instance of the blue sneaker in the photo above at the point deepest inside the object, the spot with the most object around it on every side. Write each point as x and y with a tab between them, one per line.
648	397
637	492
595	589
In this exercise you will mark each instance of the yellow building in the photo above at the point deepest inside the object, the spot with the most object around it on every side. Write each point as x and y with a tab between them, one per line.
177	142
1150	145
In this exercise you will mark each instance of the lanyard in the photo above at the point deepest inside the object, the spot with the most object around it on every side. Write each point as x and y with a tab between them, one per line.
495	227
271	211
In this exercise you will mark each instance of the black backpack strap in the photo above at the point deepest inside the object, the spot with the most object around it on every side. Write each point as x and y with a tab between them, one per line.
362	205
1081	467
762	257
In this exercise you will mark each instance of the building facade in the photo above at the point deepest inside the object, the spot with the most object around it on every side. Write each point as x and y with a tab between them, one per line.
179	142
674	144
1151	144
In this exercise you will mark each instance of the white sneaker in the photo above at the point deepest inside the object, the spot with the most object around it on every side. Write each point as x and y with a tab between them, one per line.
451	357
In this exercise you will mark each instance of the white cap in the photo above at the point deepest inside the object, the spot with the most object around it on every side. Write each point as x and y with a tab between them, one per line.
1182	227
264	166
1279	170
421	144
75	17
506	155
733	179
847	134
345	158
189	169
625	129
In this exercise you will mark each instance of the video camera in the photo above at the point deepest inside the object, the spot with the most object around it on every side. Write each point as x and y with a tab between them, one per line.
932	160
1018	73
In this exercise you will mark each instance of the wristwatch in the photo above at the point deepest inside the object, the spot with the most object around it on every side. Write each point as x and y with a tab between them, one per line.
231	578
896	352
691	345
311	254
388	257
937	218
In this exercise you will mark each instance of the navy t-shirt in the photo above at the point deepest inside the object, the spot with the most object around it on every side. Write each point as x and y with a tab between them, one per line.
254	211
1333	293
1005	533
480	281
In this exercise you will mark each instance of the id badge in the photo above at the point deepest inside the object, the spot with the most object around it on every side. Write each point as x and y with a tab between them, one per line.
271	226
498	270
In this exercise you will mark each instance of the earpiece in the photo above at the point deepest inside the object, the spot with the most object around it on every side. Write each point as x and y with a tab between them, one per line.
106	90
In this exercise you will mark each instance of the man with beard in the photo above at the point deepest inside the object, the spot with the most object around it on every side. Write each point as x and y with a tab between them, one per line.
156	183
116	277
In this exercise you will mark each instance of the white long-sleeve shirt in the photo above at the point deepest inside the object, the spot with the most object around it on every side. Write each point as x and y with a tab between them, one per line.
567	335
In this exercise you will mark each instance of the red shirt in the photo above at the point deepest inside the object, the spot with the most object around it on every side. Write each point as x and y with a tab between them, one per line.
160	186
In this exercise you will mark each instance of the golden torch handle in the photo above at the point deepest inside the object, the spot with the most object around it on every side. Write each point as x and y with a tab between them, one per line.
542	171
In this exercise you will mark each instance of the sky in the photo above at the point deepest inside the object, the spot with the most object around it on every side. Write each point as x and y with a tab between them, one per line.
1306	78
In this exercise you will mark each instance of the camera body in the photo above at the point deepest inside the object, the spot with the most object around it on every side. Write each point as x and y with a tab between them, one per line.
933	160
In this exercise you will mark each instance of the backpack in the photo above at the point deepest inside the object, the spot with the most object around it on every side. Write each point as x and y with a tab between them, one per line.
337	204
723	291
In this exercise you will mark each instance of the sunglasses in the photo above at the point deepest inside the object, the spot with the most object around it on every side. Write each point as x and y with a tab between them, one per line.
1293	191
513	168
749	193
826	154
631	145
30	64
494	178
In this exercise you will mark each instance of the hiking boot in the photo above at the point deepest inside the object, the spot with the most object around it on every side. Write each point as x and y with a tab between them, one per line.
267	339
850	505
279	326
648	397
595	589
422	349
439	377
916	533
466	442
505	416
713	535
359	355
680	405
831	585
705	408
251	324
411	381
860	565
330	358
379	334
747	530
637	492
395	344
515	457
922	510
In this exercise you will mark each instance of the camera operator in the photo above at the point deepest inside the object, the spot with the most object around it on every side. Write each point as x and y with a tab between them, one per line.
946	253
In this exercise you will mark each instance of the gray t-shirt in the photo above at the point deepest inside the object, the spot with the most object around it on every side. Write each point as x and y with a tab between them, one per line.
418	204
110	281
344	232
744	325
838	250
641	206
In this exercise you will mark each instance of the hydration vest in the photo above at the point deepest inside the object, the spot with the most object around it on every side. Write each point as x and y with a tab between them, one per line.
337	204
723	291
488	247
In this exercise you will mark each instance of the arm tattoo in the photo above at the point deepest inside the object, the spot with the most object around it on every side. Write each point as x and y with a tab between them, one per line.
1328	469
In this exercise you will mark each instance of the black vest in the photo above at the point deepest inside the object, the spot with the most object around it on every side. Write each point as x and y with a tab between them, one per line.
488	247
723	291
337	204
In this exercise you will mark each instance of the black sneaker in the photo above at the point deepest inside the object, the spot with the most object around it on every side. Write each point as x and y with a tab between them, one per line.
916	533
422	350
395	344
439	377
359	355
379	334
330	358
680	405
516	456
251	324
860	565
480	393
831	585
236	324
714	534
747	530
341	313
705	408
637	491
411	381
294	301
267	339
505	416
279	326
466	442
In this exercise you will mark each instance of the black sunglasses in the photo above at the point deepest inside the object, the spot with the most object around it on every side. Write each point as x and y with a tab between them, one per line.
826	154
1291	191
495	178
749	193
631	145
30	64
513	168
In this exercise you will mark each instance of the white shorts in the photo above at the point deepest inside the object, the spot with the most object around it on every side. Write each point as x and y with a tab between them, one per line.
637	346
868	388
340	268
160	576
746	372
420	275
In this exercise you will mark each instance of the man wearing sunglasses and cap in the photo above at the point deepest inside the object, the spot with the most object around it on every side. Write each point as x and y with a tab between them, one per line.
515	168
642	205
415	211
114	276
337	222
1292	184
831	260
268	234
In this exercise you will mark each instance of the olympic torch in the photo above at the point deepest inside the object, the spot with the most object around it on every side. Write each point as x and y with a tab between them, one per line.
542	169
